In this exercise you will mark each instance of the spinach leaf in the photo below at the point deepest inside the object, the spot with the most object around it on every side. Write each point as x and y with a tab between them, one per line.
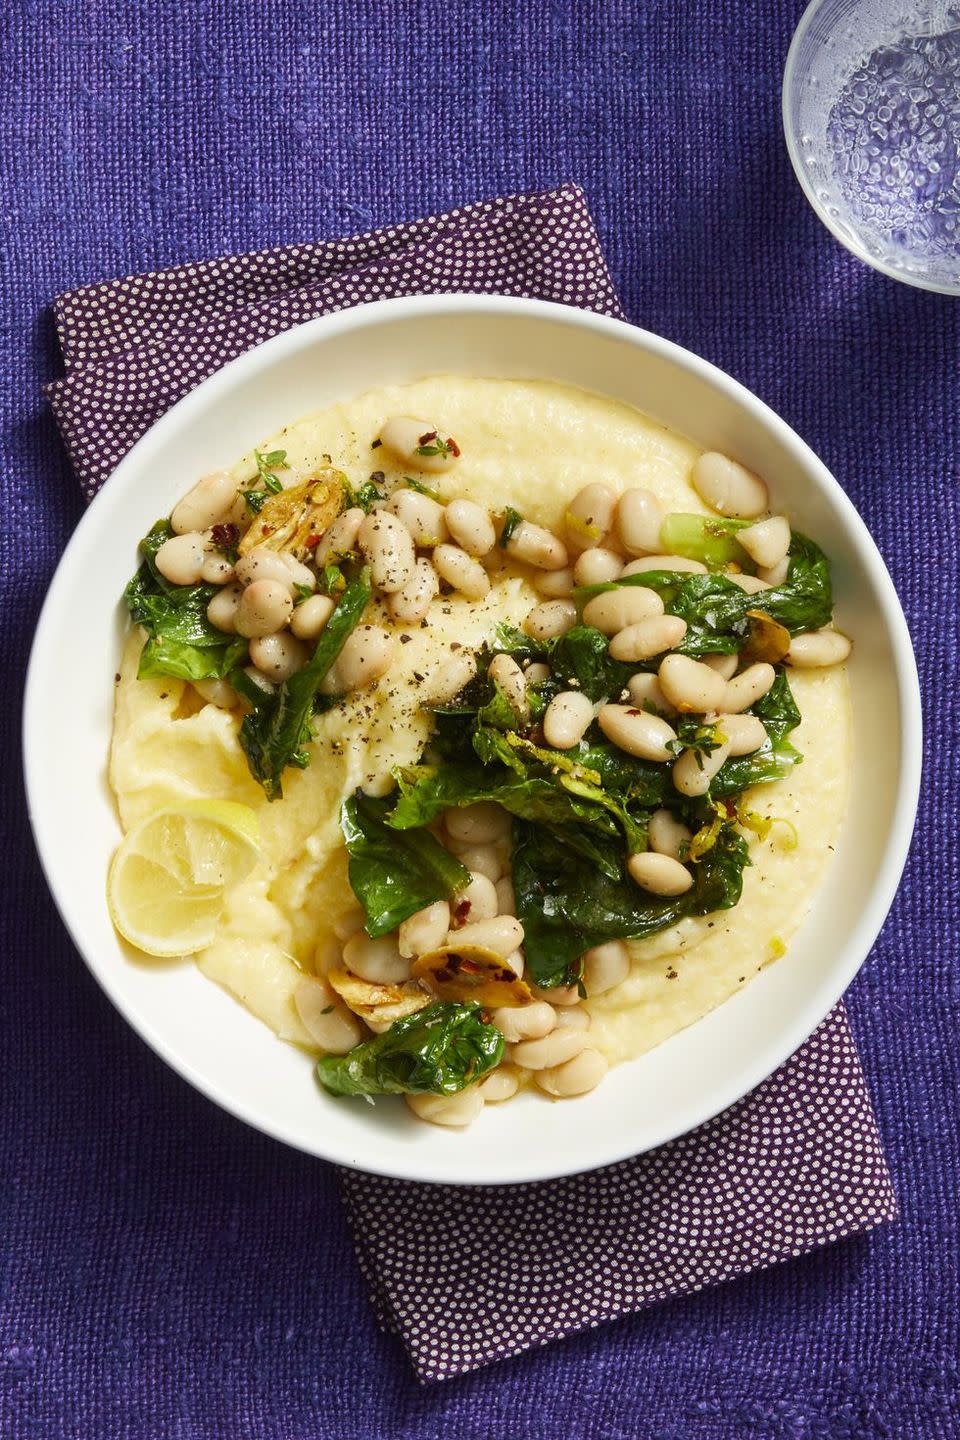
395	873
180	639
805	599
566	907
706	538
579	660
273	735
437	1051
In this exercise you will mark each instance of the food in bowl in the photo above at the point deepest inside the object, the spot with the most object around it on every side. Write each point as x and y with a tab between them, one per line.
511	686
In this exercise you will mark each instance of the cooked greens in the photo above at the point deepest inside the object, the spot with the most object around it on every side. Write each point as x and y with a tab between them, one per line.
437	1051
181	641
273	735
395	875
567	907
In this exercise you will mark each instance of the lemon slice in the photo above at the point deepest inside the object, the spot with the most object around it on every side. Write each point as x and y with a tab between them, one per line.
167	881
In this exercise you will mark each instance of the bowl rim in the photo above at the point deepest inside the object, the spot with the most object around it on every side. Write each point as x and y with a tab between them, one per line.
918	282
807	1018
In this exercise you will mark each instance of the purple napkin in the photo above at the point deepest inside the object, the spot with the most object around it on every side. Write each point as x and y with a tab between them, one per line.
793	1166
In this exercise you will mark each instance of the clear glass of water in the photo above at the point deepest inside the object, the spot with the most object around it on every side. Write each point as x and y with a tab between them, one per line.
871	112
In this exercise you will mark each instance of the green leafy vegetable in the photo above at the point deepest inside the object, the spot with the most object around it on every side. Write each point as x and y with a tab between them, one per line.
436	1051
367	496
705	538
511	519
567	907
395	873
181	641
269	482
274	734
433	444
409	483
579	660
779	714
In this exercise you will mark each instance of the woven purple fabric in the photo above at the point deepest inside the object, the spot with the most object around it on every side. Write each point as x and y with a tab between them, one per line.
793	1166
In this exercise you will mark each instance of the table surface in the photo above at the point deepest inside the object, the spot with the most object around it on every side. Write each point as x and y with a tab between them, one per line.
135	136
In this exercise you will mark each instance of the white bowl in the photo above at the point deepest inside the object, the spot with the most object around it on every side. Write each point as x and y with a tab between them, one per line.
206	1035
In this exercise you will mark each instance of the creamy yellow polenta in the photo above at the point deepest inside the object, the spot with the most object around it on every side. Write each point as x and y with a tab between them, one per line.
531	445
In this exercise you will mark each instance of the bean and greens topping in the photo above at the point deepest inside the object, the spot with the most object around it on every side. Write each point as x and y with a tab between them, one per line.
584	784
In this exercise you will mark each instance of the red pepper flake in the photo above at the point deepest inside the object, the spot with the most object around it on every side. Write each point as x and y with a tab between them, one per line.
312	542
425	439
460	912
452	446
225	537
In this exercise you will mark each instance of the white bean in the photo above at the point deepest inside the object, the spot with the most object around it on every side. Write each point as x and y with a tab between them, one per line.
613	610
455	1111
659	874
690	686
639	518
477	901
263	608
552	618
340	538
525	1022
553	1049
507	675
567	718
278	656
478	824
725	665
597	566
537	547
667	835
262	563
693	772
644	691
516	961
648	638
483	860
409	605
450	677
300	574
471	527
506	899
556	584
663	562
502	935
423	516
775	574
348	924
461	571
405	436
575	1077
747	688
589	516
378	961
424	931
535	673
818	647
180	559
768	541
205	504
749	584
729	487
216	569
310	617
501	1084
325	1018
387	545
636	731
605	966
217	692
364	658
558	994
222	610
745	733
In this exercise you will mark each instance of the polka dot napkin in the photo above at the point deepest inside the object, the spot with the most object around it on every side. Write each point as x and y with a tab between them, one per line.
794	1165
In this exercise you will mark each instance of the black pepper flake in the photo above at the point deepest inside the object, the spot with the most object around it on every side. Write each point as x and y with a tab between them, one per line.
375	444
116	678
378	477
405	639
455	645
417	676
164	694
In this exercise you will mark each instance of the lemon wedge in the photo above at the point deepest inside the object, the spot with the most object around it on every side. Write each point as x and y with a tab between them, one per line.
167	880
